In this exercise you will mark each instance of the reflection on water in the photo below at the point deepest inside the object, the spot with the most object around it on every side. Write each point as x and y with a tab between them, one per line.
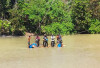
80	51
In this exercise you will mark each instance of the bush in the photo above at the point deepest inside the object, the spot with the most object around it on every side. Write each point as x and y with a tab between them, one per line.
4	27
81	16
95	26
58	28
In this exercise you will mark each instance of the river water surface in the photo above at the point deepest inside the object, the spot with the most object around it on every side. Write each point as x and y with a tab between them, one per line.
79	51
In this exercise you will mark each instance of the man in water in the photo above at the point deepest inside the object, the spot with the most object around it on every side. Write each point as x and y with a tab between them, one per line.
52	40
37	40
45	40
29	40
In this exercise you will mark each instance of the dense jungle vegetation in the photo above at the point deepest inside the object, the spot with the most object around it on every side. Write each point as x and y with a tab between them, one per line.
49	16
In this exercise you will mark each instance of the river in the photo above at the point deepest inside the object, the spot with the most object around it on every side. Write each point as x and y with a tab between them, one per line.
79	51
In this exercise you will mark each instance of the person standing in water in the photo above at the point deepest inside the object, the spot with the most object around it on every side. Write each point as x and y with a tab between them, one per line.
60	37
60	40
29	40
57	38
45	40
37	40
52	40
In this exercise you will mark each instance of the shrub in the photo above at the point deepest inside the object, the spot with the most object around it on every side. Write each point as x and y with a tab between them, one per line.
95	26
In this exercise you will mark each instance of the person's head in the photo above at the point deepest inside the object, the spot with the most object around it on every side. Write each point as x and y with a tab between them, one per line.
52	35
37	36
45	35
59	34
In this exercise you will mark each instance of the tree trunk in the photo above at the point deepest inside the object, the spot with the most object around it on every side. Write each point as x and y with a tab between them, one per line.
39	28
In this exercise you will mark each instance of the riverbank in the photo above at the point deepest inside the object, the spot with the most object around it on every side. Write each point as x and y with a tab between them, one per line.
26	34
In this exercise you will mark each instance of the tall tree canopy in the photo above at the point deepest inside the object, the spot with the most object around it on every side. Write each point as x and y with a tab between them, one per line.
49	16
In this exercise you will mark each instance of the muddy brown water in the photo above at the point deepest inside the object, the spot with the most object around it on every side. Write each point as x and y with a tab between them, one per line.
79	51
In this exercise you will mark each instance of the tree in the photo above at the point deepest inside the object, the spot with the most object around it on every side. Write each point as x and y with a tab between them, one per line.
95	8
3	8
60	19
4	27
81	16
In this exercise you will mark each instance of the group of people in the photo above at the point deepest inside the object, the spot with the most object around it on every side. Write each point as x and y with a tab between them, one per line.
45	41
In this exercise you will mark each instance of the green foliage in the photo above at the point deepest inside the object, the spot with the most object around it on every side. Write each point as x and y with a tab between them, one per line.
50	16
95	26
16	19
95	8
46	12
4	26
2	8
57	28
81	16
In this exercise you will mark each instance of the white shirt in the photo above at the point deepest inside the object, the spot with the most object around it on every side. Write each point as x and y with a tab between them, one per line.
52	38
